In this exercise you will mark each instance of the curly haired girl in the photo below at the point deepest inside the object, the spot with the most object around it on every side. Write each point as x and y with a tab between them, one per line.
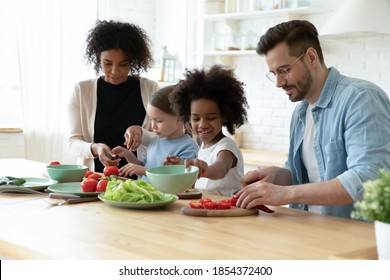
209	100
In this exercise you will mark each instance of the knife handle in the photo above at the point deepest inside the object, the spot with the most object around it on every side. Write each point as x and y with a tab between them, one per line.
82	199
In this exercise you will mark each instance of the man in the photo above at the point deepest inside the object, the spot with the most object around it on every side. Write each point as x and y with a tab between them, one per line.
339	133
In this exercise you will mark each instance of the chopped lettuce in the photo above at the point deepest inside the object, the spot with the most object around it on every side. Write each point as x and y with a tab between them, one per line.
133	191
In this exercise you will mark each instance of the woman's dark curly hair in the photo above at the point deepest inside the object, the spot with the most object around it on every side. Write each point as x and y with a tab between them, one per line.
130	38
218	84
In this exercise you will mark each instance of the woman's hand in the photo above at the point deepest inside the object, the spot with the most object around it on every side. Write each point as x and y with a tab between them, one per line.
133	136
102	151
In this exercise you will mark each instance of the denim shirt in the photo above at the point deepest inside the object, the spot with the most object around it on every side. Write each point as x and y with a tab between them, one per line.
352	140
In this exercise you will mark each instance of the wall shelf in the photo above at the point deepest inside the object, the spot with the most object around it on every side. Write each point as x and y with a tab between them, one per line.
229	53
218	33
291	12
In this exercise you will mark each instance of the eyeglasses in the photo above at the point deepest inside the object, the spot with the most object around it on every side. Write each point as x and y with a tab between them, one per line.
282	72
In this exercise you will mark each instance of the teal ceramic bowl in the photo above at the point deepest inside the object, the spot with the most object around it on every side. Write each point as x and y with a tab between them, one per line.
66	172
172	178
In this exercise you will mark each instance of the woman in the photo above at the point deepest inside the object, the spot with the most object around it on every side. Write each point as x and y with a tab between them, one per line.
101	109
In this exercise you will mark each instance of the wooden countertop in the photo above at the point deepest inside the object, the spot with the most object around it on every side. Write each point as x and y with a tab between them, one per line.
32	229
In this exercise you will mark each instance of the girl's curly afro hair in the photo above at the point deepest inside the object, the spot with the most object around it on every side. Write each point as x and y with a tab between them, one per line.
130	38
218	84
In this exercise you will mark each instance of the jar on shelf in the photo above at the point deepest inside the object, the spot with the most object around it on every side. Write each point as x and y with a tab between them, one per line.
248	41
297	3
214	7
230	6
168	66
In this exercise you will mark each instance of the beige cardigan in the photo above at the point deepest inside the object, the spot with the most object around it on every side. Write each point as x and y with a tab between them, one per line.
81	118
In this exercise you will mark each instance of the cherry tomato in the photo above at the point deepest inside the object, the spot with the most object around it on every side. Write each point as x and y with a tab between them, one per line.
102	185
88	173
94	176
111	170
54	162
89	185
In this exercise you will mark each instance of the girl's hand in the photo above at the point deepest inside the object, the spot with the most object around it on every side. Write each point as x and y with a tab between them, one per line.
131	169
202	165
120	151
172	160
133	136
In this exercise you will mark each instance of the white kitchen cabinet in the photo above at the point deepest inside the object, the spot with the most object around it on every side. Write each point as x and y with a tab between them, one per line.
223	36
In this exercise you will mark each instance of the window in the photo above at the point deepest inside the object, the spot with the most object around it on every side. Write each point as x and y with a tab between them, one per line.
10	95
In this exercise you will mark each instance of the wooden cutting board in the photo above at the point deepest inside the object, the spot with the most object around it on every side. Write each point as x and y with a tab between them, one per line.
233	212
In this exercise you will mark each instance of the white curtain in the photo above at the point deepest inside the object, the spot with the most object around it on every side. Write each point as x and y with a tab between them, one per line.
51	40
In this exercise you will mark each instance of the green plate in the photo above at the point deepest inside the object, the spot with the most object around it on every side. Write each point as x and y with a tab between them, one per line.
140	205
38	184
71	188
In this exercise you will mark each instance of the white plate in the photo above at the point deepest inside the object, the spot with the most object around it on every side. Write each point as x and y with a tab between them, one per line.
140	205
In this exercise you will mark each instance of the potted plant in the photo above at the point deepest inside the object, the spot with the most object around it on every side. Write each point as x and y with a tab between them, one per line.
375	207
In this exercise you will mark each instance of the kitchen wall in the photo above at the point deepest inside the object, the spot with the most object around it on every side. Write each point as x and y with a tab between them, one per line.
270	109
164	21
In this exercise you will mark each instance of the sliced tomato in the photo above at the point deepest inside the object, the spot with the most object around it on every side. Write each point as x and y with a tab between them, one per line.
233	201
205	200
209	205
195	205
224	205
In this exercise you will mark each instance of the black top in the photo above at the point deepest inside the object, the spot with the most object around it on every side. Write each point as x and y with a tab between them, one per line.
118	107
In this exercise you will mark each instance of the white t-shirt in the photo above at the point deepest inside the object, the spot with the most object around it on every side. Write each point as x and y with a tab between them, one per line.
308	156
231	182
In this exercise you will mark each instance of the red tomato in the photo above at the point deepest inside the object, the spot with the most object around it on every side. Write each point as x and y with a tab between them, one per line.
111	170
89	185
224	205
54	162
195	204
204	200
209	205
94	176
102	185
88	173
233	201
